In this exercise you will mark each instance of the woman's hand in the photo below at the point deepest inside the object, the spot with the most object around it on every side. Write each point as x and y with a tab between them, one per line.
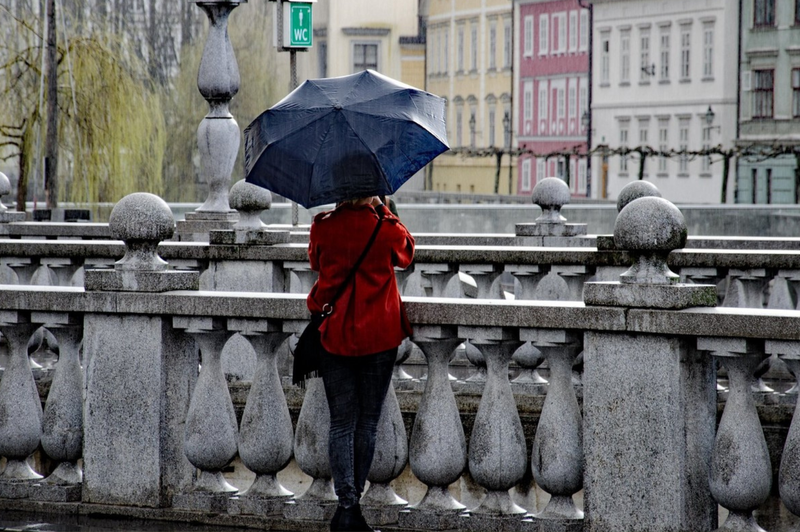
376	201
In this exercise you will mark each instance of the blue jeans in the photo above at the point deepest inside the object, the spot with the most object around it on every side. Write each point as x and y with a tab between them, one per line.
355	387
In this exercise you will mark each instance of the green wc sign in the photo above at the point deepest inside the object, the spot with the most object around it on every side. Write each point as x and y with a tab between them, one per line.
297	29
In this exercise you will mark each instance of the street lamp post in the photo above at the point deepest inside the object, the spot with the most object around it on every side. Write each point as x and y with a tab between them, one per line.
507	146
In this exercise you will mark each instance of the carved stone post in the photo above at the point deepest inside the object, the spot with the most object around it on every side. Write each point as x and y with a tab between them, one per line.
649	400
497	445
218	136
140	371
21	425
550	229
438	447
62	425
741	473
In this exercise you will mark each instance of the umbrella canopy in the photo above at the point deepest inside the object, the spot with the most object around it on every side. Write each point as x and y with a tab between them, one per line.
335	139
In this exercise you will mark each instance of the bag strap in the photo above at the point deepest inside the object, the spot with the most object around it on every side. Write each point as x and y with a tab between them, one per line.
354	270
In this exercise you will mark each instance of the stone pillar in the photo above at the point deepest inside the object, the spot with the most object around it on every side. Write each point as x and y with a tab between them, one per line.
218	136
649	400
140	371
551	229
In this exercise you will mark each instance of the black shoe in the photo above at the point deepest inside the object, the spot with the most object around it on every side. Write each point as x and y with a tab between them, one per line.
349	520
337	516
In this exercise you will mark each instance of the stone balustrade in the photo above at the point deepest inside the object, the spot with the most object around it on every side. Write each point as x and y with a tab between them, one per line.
148	413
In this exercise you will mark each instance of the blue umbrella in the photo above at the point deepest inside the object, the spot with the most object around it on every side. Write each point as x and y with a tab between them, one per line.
339	138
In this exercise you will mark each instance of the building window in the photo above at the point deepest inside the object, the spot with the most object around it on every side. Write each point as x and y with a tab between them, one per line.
322	56
562	32
459	126
573	99
623	143
582	101
527	101
584	42
472	126
365	56
492	120
544	27
460	50
664	70
706	163
473	48
644	55
686	43
507	43
708	52
540	172
543	102
528	36
663	146
644	127
492	46
573	31
526	175
796	92
604	59
446	51
763	89
625	56
683	145
560	103
581	187
764	13
797	12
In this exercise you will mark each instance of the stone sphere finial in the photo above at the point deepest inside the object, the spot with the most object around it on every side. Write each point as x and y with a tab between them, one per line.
141	220
250	200
636	190
5	190
649	228
551	193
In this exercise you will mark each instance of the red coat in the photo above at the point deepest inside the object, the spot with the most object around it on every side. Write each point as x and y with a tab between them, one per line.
368	317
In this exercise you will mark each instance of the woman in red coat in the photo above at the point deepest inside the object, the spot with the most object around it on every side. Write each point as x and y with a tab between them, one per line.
360	337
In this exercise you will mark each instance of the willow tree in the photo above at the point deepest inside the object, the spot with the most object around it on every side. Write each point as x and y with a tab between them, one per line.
264	80
111	129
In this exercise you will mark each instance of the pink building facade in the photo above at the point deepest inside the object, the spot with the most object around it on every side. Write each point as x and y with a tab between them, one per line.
553	92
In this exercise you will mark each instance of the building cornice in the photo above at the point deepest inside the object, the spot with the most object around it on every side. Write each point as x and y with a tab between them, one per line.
366	32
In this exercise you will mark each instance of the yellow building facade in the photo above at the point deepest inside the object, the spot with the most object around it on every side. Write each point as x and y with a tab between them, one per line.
469	62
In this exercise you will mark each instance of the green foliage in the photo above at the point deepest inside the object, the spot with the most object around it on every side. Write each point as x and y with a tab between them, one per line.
117	134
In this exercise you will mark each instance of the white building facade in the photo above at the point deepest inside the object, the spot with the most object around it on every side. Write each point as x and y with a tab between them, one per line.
658	67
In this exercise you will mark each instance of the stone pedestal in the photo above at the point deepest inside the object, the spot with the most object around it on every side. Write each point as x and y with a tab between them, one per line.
139	377
55	493
255	237
15	489
310	510
201	501
429	519
197	225
265	506
536	524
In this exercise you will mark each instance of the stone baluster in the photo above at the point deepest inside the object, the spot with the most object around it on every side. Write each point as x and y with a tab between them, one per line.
249	201
311	438
22	269
557	455
7	273
549	229
484	276
435	278
529	358
746	288
62	424
528	276
789	472
299	277
402	277
741	473
265	433
648	398
497	450
211	435
380	502
476	358
438	448
784	290
218	135
46	274
21	425
553	287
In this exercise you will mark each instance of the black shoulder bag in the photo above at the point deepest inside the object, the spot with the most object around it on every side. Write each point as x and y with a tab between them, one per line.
309	346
